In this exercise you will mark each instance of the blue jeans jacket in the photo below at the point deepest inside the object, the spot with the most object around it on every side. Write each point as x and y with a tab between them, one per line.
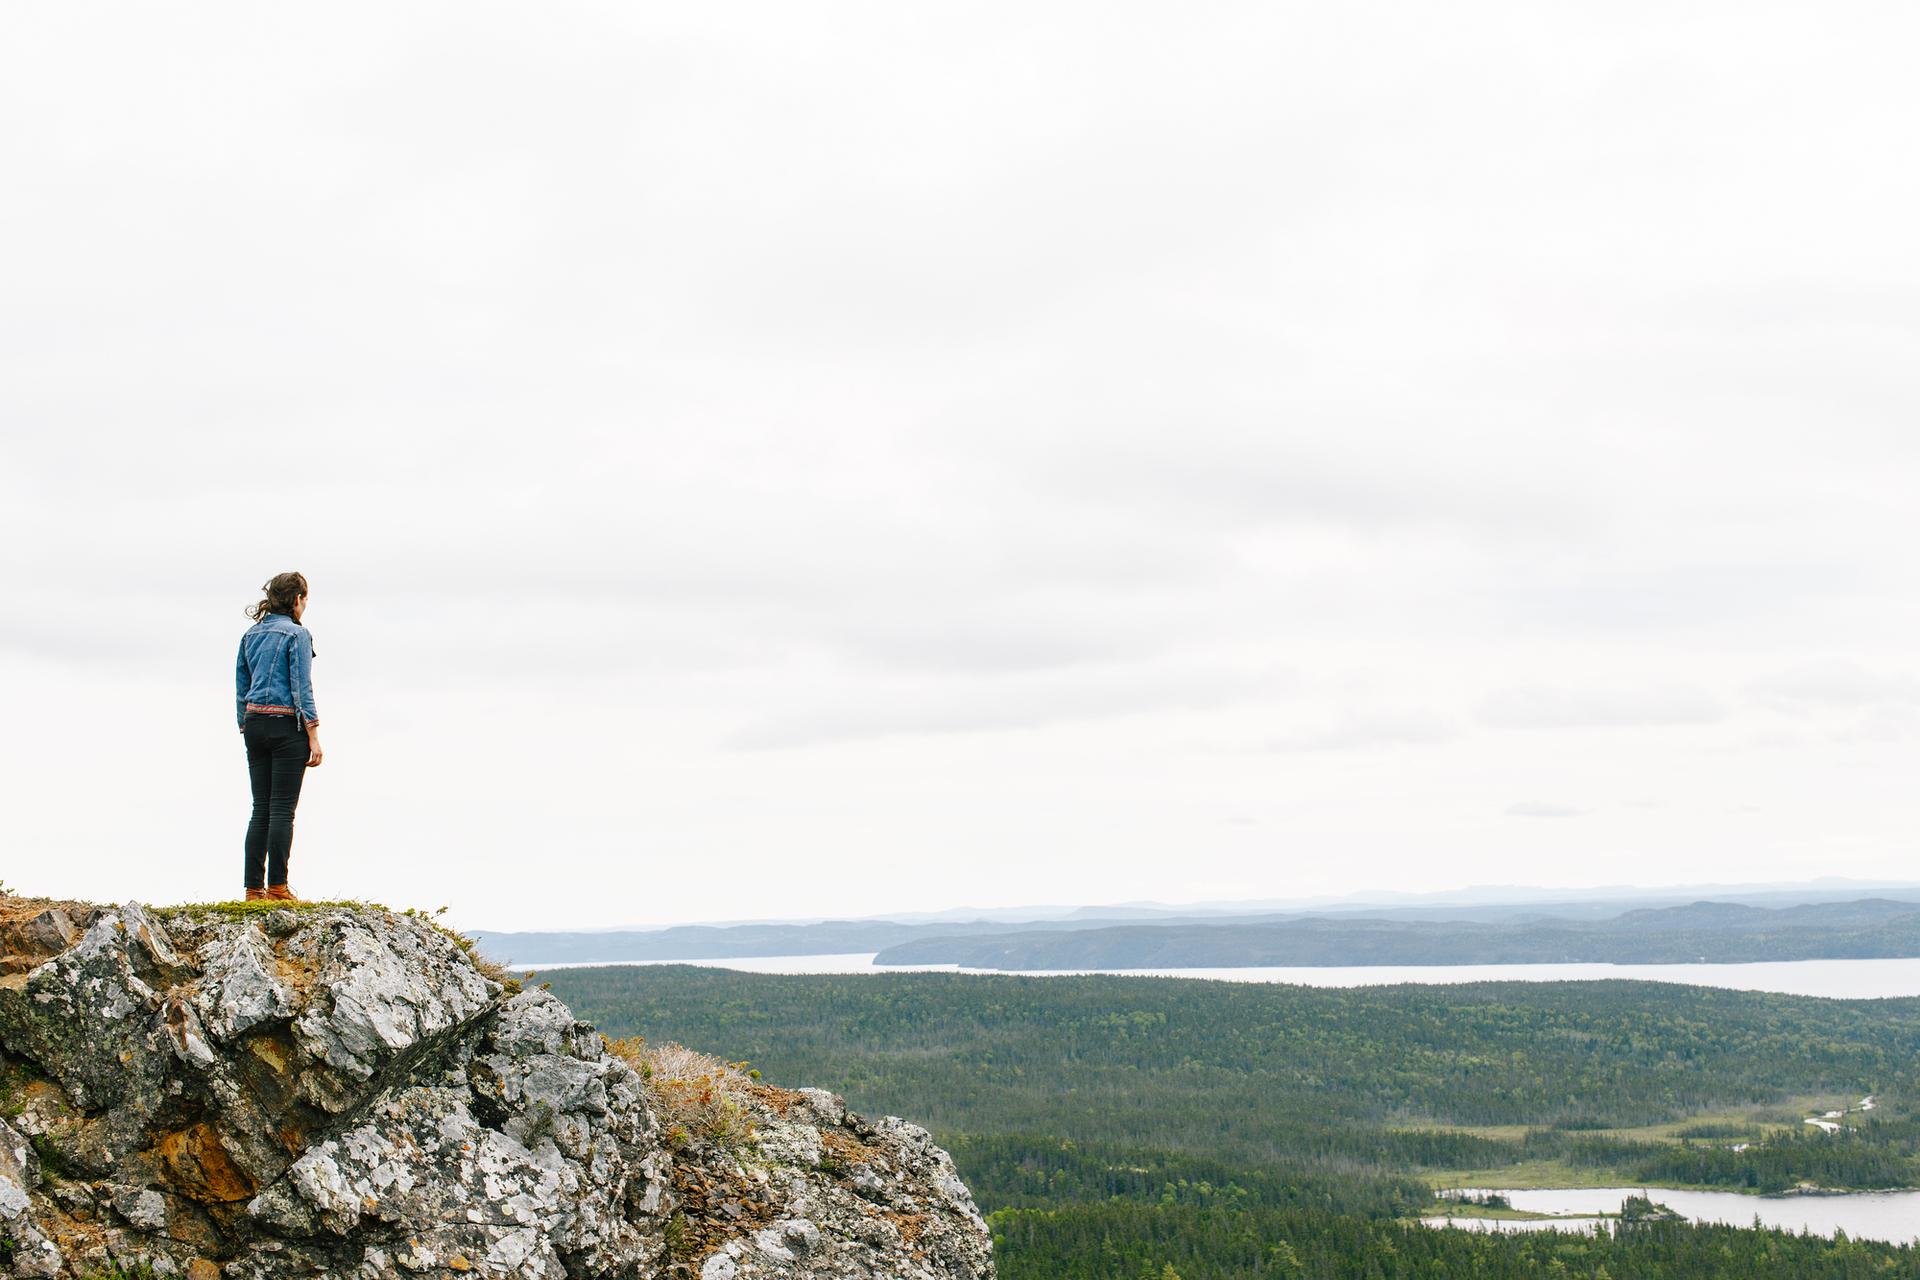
275	670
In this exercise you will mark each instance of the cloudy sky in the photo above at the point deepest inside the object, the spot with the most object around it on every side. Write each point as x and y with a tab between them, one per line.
773	460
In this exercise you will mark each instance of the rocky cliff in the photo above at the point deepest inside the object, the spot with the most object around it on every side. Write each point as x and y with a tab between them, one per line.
343	1091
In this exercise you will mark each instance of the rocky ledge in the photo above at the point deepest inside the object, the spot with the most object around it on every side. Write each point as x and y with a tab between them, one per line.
343	1091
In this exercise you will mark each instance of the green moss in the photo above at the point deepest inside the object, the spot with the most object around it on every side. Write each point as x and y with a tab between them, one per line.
53	1161
240	910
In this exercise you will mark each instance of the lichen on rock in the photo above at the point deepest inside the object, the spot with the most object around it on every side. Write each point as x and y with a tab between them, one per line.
341	1091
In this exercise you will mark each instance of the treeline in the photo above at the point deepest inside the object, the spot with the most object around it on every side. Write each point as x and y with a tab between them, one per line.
1021	1171
1134	1242
1036	1171
1854	1160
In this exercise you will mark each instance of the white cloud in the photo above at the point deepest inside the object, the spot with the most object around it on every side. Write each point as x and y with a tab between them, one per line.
1882	724
1360	730
1833	682
1008	702
1554	707
1543	809
1024	400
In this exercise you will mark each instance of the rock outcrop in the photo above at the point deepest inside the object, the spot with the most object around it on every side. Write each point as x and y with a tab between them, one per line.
342	1091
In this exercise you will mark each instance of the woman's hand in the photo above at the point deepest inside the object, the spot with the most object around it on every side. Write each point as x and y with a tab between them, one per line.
314	754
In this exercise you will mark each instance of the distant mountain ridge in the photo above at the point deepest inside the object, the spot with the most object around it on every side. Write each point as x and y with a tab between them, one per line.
723	942
867	936
1710	932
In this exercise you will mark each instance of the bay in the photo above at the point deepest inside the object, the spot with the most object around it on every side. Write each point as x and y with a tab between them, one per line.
1834	979
1892	1216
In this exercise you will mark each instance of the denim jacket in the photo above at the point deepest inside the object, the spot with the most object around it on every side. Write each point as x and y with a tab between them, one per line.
275	670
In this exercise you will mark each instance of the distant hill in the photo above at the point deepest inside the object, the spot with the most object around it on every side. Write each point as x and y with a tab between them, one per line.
1713	932
723	942
839	937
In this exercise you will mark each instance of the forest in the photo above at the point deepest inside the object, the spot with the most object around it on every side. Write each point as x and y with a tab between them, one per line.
1161	1114
1123	1241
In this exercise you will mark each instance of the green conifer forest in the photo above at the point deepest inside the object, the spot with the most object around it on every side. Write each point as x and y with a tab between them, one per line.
1119	1126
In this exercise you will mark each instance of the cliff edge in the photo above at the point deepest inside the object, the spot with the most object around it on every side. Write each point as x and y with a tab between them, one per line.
338	1090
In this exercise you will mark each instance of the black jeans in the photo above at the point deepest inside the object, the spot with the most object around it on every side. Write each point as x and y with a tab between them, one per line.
277	762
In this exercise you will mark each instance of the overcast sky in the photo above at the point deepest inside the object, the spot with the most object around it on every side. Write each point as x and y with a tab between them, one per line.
810	459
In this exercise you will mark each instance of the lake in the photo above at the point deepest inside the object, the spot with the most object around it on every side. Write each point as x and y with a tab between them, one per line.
1837	979
1893	1216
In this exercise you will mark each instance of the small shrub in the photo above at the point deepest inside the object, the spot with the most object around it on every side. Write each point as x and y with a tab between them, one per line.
489	968
53	1161
8	1247
541	1120
678	1238
497	972
13	1089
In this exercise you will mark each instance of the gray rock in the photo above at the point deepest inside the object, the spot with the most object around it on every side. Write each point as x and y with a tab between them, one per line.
341	1092
86	1015
240	989
383	989
34	1254
142	1207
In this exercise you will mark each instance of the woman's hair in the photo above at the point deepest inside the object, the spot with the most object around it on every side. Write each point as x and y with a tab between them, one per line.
281	591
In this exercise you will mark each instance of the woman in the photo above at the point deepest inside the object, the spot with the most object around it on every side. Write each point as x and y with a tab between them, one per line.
273	697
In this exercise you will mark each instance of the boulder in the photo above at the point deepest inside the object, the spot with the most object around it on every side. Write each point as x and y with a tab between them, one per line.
341	1091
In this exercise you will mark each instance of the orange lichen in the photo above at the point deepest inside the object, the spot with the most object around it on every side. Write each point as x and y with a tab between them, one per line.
844	1148
198	1163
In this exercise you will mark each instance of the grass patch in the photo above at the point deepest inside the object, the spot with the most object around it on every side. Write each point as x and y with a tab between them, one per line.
701	1097
1528	1175
242	910
1497	1132
1467	1209
1753	1123
489	968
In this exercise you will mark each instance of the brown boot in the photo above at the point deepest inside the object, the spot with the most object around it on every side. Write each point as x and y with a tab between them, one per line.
256	895
280	893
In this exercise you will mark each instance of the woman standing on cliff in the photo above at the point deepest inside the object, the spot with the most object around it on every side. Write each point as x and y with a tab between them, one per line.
273	699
